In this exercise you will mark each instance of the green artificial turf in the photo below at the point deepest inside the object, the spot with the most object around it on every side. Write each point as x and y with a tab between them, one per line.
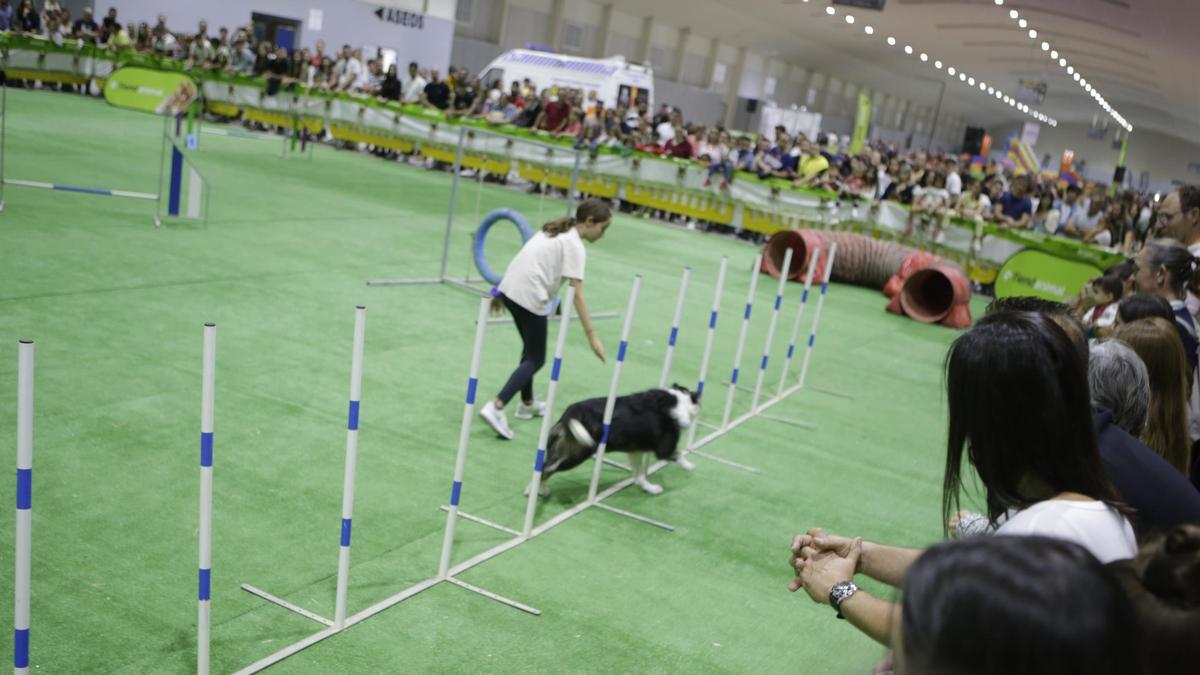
116	307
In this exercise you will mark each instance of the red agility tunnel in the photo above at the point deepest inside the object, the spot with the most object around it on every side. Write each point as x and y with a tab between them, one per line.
921	285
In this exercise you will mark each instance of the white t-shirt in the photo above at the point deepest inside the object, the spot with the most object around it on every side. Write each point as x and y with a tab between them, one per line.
666	133
1091	524
954	183
414	89
543	263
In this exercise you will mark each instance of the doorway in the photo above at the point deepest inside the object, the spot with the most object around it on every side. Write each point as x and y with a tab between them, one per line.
277	30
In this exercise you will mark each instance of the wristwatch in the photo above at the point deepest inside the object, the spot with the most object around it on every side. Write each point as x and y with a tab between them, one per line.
838	594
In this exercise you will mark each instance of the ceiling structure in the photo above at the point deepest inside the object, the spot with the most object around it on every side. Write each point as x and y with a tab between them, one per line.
1143	55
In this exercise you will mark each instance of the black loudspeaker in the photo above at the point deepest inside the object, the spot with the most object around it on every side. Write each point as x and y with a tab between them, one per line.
1119	176
751	105
973	140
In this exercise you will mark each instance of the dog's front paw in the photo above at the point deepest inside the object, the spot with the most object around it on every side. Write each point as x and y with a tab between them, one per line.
650	488
685	464
543	490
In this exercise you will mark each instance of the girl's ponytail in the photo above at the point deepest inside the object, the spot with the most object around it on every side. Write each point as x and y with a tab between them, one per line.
557	227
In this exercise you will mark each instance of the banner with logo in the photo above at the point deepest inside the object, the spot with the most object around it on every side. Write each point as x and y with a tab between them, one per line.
154	91
862	122
1042	275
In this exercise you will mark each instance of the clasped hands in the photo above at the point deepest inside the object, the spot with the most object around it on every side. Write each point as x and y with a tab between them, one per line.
821	560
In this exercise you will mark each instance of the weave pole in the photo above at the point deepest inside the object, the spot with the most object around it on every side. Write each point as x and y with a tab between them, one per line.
207	389
24	529
464	437
708	343
762	369
791	350
611	402
683	286
547	421
741	345
356	363
812	336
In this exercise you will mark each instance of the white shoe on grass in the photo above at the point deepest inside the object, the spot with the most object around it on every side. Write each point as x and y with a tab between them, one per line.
528	412
496	419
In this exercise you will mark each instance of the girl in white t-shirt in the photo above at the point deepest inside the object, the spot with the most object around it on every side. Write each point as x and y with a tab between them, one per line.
532	280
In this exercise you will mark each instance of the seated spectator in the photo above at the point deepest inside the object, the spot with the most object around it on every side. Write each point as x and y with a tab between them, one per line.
974	202
680	147
1106	293
1070	209
930	202
767	158
1157	344
555	114
1045	218
1032	446
712	150
901	189
1164	268
1090	219
813	165
1013	208
1120	384
887	175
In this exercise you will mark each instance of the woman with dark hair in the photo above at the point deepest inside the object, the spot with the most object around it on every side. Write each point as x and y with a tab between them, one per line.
1020	410
551	257
1157	344
1048	607
1143	306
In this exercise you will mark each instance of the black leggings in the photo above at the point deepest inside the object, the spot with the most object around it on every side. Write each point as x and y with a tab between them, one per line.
532	328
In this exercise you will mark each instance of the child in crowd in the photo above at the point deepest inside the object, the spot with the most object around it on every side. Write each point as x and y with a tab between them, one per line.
1106	293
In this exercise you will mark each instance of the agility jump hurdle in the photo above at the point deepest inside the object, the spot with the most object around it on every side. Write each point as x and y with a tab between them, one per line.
192	195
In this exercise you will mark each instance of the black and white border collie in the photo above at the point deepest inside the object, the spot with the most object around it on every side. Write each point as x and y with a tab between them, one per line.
646	422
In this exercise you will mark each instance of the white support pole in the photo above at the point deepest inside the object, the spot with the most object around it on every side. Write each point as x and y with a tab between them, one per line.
787	362
812	336
356	363
207	388
762	368
683	286
741	345
708	343
564	324
24	531
612	389
464	437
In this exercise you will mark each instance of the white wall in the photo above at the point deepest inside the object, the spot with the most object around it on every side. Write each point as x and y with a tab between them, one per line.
344	22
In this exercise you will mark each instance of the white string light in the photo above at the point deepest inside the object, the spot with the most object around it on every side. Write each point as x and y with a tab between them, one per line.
1062	63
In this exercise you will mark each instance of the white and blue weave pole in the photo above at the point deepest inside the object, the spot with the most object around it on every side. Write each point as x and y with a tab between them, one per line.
567	304
741	344
610	403
464	437
762	368
674	335
356	362
708	343
812	336
791	350
24	531
207	385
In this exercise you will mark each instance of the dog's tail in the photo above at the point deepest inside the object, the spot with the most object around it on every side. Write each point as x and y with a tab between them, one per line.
581	434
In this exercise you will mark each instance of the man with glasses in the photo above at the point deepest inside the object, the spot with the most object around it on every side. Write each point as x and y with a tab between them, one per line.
1178	218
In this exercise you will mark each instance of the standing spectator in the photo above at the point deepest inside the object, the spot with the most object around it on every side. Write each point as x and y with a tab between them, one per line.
28	20
954	183
416	85
1157	344
437	92
389	88
276	70
241	57
85	27
6	15
1163	268
109	26
348	70
1179	218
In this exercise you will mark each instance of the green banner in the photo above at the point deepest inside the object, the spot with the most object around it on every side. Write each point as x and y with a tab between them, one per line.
862	122
153	91
1042	275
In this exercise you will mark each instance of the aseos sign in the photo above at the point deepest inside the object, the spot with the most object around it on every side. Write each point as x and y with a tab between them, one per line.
401	17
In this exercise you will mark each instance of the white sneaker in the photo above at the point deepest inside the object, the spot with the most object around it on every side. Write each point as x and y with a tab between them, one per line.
496	420
528	412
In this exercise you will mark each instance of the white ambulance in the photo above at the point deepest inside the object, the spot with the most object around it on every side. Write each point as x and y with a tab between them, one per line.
615	81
